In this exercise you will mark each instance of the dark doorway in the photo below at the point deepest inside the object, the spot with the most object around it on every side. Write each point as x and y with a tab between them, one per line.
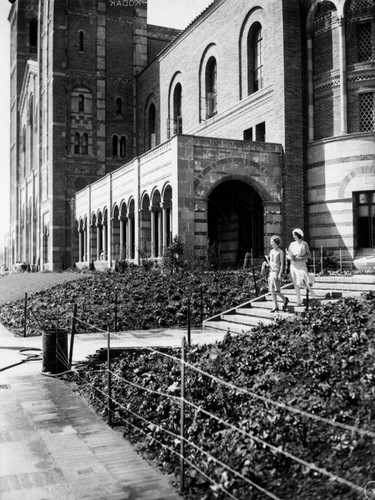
235	222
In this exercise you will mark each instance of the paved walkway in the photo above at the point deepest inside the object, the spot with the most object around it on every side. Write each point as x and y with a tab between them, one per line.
54	446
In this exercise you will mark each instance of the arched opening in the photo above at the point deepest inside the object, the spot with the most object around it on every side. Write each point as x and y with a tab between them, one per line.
116	229
235	222
167	217
156	226
145	228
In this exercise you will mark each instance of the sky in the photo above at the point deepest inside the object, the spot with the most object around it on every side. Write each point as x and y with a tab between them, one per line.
173	13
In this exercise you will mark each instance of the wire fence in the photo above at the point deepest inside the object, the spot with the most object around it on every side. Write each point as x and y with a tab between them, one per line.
116	408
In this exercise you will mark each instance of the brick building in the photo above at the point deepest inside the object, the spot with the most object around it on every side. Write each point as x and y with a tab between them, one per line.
258	117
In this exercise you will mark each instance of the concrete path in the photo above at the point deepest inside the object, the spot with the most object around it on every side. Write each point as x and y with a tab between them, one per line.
53	446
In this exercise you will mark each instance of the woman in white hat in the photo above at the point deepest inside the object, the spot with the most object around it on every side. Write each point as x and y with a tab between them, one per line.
299	253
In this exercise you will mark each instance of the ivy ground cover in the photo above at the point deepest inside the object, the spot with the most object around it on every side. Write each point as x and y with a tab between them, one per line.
321	364
135	299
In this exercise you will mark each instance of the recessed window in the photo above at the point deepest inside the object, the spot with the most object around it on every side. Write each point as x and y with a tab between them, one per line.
81	41
115	146
367	112
364	42
248	134
118	106
152	126
177	106
122	147
211	88
255	59
77	148
81	103
85	144
33	34
260	132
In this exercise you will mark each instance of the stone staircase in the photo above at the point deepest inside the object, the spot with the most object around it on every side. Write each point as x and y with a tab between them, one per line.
242	318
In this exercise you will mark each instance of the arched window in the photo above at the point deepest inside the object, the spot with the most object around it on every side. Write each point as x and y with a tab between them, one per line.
177	106
122	146
81	103
115	146
76	143
85	144
33	34
255	59
81	41
211	87
151	126
118	106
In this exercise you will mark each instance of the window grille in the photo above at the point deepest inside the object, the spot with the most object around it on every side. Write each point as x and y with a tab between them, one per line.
364	42
367	112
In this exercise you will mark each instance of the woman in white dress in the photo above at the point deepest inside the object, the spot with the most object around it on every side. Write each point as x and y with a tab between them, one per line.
299	253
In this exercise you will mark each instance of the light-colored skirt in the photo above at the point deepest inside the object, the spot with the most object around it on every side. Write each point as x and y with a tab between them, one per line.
299	274
273	281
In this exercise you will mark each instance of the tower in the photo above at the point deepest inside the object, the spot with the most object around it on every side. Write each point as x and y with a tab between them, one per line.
73	95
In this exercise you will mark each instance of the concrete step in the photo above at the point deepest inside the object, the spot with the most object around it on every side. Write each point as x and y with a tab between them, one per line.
260	312
362	278
348	287
227	325
246	320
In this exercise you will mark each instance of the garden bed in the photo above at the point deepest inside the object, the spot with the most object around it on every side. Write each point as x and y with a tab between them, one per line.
293	389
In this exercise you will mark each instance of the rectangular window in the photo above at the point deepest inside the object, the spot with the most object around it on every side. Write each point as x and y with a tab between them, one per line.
248	134
367	112
365	219
364	42
260	132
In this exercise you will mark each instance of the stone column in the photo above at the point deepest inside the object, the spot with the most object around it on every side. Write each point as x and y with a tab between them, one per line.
105	239
160	233
85	244
98	237
79	245
343	88
164	232
153	229
121	237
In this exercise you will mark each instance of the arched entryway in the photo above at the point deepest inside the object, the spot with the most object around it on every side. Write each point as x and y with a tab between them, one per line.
235	222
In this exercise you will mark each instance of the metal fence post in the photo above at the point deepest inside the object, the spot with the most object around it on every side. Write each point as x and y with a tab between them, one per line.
72	335
182	419
116	311
25	316
188	323
109	406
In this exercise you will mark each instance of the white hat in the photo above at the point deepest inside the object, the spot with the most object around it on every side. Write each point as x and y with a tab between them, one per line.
299	231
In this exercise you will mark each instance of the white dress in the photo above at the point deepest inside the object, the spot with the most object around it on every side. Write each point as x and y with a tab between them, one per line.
298	268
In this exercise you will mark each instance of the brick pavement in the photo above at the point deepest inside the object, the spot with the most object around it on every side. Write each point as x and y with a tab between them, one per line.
54	446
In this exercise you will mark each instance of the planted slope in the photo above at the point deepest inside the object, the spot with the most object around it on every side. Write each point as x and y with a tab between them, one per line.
322	363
